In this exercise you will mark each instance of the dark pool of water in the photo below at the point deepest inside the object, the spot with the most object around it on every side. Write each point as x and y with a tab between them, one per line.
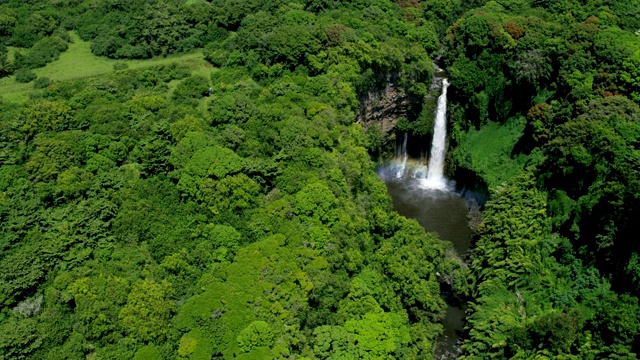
445	213
448	346
442	212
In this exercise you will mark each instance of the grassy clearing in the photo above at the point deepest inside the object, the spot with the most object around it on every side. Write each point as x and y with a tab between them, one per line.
78	62
489	150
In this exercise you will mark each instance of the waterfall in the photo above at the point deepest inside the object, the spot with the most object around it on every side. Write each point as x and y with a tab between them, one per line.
435	178
403	155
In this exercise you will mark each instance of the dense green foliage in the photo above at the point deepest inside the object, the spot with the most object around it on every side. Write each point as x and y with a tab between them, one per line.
574	79
567	69
158	213
142	219
534	298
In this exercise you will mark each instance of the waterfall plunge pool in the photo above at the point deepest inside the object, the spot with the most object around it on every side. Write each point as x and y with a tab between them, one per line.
423	193
445	213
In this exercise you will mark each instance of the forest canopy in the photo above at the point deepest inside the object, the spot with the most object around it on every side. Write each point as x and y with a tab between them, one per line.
146	216
227	206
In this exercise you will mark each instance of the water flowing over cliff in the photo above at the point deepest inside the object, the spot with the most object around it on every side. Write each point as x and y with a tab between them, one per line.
431	176
435	177
419	189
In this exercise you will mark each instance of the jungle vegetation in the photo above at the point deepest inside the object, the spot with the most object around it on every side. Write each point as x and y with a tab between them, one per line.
143	216
555	272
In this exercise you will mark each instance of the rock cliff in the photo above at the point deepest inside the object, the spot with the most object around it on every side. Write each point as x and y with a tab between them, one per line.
386	105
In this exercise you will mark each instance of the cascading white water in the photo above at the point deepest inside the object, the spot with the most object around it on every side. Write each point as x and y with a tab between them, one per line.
420	172
424	193
435	175
404	156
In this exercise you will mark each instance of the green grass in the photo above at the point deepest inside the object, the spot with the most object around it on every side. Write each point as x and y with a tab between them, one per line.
78	62
489	150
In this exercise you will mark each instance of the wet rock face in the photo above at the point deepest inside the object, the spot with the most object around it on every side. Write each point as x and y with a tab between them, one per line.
436	84
385	106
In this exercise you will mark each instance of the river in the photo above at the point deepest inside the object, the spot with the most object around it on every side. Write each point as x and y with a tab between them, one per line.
422	192
445	213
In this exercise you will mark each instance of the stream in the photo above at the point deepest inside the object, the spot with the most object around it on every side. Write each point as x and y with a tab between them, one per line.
420	190
445	213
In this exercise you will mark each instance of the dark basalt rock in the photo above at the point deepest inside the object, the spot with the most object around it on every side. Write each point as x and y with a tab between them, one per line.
386	105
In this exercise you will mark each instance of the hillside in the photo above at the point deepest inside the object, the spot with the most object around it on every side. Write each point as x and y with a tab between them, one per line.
188	180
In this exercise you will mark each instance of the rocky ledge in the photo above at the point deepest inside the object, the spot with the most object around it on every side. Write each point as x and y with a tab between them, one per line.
385	105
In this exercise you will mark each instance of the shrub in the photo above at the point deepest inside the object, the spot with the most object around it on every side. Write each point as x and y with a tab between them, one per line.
23	36
215	34
6	66
25	75
105	45
216	55
256	335
41	83
131	52
172	71
43	51
192	87
63	34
